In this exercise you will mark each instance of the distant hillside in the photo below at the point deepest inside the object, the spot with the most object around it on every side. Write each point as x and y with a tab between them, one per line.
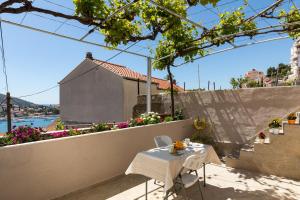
19	102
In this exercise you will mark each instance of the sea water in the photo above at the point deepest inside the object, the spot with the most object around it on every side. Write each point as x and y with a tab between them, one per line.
29	121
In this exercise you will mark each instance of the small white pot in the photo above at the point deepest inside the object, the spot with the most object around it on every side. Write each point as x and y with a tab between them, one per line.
275	131
262	141
271	130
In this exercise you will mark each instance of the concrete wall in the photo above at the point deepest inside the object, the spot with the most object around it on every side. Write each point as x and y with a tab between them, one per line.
52	168
131	92
237	115
281	157
96	96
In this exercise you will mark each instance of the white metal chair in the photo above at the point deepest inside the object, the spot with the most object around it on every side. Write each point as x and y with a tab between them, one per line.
162	141
185	178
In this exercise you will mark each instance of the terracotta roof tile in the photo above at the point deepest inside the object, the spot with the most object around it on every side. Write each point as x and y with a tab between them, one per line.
128	73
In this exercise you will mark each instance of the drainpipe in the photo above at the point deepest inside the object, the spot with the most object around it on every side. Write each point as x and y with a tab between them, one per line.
138	86
148	85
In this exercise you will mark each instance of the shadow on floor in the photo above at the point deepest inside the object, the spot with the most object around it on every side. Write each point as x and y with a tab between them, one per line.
106	189
216	193
223	183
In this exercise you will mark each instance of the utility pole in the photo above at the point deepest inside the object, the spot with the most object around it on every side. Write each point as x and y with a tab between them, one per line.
277	76
183	86
208	85
8	111
138	86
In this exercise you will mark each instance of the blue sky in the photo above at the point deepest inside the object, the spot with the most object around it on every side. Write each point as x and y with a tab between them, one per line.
36	61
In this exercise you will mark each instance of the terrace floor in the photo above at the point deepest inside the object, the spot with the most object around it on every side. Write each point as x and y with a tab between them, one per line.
223	183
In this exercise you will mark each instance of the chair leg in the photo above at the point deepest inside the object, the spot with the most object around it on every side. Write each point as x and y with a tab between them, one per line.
185	193
167	195
204	177
199	185
174	191
184	189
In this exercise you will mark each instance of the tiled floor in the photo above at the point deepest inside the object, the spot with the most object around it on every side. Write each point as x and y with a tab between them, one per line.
223	183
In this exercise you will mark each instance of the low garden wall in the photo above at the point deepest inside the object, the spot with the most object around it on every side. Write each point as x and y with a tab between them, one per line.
51	168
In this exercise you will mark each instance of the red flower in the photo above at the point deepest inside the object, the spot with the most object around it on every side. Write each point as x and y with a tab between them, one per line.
261	135
139	120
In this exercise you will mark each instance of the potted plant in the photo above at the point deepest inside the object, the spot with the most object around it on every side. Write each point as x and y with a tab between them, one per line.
292	118
274	126
261	137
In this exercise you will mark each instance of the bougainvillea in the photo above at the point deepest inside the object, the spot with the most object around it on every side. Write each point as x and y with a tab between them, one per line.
59	134
23	134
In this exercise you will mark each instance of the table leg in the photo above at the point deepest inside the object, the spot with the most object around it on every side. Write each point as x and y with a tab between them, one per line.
204	178
167	195
146	195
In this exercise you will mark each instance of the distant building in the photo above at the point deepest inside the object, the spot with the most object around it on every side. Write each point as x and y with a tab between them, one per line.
255	75
295	62
98	91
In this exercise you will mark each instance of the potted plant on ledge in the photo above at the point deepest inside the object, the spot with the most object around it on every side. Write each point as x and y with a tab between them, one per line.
261	137
274	126
292	118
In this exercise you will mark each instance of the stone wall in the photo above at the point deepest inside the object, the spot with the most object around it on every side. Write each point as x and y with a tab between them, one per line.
236	115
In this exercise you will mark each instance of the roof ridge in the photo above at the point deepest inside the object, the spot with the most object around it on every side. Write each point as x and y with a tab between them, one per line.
123	66
127	72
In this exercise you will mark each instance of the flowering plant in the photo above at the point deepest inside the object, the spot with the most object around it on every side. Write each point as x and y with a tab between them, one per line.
276	123
121	125
178	115
59	134
23	134
168	119
261	135
292	116
144	119
74	132
99	127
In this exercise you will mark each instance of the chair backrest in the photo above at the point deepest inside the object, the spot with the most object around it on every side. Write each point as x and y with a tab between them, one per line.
162	141
194	162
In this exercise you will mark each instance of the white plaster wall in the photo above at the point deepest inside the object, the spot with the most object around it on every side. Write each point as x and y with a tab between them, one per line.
96	96
52	168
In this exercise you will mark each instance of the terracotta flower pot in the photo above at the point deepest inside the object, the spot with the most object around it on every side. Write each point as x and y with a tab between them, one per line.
291	121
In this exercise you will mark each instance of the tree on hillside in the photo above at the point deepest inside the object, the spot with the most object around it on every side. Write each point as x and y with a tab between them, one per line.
234	83
283	70
240	82
271	71
252	84
151	19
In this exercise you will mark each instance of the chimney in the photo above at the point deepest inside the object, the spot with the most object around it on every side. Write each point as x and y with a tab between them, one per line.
89	55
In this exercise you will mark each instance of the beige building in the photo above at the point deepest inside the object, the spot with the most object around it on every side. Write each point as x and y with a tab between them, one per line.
295	62
255	75
98	91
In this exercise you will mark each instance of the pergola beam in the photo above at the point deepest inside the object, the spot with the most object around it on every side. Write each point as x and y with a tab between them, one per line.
72	38
177	15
